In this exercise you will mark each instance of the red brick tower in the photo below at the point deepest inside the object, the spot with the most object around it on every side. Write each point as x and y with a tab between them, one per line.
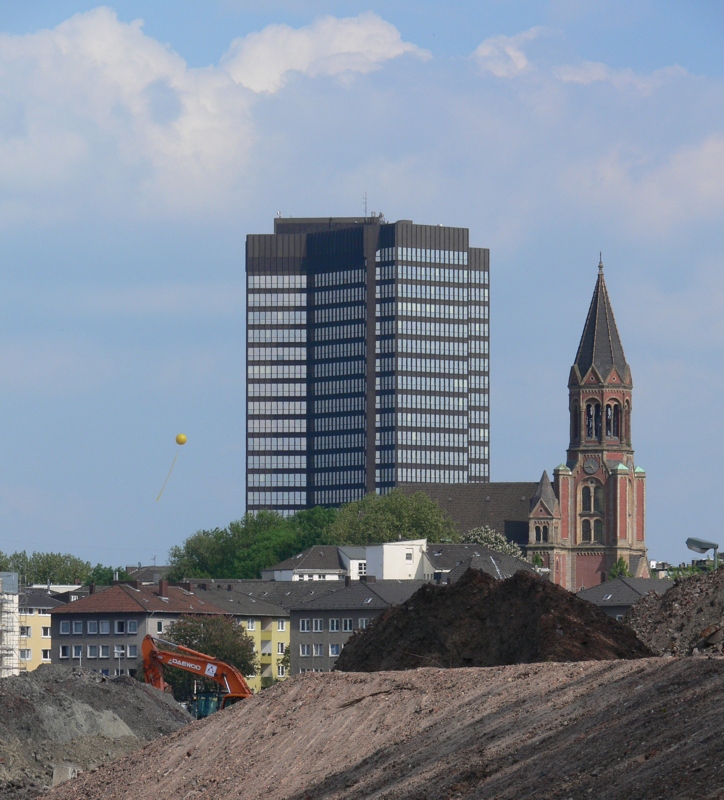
600	493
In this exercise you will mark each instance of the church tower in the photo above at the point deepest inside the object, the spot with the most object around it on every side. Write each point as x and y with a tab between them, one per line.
601	494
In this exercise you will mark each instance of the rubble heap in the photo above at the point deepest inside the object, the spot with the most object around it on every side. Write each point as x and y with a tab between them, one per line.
483	622
642	729
60	715
689	616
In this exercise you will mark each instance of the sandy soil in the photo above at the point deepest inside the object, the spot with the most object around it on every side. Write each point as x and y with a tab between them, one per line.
634	729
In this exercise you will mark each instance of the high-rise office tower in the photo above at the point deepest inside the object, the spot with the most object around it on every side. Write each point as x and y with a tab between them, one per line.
367	360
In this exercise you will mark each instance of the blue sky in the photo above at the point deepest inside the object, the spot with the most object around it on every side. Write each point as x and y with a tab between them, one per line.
134	159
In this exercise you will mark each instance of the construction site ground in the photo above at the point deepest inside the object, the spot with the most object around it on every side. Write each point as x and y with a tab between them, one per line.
634	729
59	715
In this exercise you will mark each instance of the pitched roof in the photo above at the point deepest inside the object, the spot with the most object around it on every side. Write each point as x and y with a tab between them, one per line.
624	591
600	345
318	557
361	595
497	565
544	493
502	506
282	593
124	599
241	604
32	598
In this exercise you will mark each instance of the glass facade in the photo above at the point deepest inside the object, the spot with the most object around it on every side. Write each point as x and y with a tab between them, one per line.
368	352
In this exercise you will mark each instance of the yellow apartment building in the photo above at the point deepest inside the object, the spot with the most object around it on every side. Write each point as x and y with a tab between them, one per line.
34	647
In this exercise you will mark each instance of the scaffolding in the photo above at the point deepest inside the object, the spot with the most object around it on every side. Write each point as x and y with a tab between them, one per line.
9	625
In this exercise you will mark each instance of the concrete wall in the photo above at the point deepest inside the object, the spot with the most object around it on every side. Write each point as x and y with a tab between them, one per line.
398	560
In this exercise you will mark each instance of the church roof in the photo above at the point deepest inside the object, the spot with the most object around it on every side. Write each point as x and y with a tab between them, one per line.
544	492
600	345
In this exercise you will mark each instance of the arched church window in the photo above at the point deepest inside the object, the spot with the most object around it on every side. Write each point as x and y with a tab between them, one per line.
575	424
598	530
616	421
609	420
597	421
589	420
586	530
598	499
537	533
586	499
545	533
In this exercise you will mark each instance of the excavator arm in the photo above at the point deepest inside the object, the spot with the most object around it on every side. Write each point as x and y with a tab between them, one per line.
199	664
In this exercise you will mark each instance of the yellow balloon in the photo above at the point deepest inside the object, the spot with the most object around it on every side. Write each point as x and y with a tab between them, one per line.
181	438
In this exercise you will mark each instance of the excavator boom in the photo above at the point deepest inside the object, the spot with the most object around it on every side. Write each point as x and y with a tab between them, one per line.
199	664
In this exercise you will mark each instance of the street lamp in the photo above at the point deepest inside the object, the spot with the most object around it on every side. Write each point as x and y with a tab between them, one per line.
701	546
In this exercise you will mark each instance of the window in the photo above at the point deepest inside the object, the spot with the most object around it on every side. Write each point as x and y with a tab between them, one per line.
133	651
65	651
25	630
408	555
119	651
29	612
119	626
25	655
77	626
305	626
318	625
92	651
281	671
132	626
45	655
347	625
586	499
333	624
104	626
334	650
92	627
598	530
362	568
318	650
281	648
281	624
305	650
118	672
586	530
363	622
77	650
65	628
251	624
598	499
105	652
159	626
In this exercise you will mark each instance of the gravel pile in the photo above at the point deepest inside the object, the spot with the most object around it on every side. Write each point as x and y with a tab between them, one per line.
482	622
59	715
688	618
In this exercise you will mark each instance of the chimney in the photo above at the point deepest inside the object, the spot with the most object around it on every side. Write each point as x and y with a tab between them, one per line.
163	588
185	585
347	580
92	589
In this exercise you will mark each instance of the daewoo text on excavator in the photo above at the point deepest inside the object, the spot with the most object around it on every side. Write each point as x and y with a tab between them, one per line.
199	664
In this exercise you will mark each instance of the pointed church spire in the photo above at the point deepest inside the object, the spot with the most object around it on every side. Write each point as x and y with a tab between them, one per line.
544	492
600	345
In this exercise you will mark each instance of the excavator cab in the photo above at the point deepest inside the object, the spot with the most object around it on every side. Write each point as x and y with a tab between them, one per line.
205	703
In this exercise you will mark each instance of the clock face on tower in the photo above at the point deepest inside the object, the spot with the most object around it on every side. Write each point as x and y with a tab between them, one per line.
590	465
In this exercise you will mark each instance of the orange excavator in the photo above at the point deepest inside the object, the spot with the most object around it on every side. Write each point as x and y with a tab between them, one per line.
232	682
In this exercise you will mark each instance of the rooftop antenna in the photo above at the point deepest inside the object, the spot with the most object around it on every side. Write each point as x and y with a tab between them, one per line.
279	214
600	261
365	199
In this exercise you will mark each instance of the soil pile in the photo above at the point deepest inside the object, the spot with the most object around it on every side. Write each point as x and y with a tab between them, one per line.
689	616
482	622
643	729
63	715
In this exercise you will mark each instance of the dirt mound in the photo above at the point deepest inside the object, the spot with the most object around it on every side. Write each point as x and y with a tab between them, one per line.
62	715
483	622
643	729
683	618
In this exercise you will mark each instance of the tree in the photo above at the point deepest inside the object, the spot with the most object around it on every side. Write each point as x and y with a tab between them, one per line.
249	545
486	536
386	518
60	568
620	570
215	635
104	576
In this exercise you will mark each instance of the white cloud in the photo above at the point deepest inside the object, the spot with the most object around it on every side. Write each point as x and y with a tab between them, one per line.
589	72
655	199
504	56
263	61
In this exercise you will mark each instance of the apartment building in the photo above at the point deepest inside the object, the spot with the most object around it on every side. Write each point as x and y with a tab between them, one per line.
35	641
9	625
